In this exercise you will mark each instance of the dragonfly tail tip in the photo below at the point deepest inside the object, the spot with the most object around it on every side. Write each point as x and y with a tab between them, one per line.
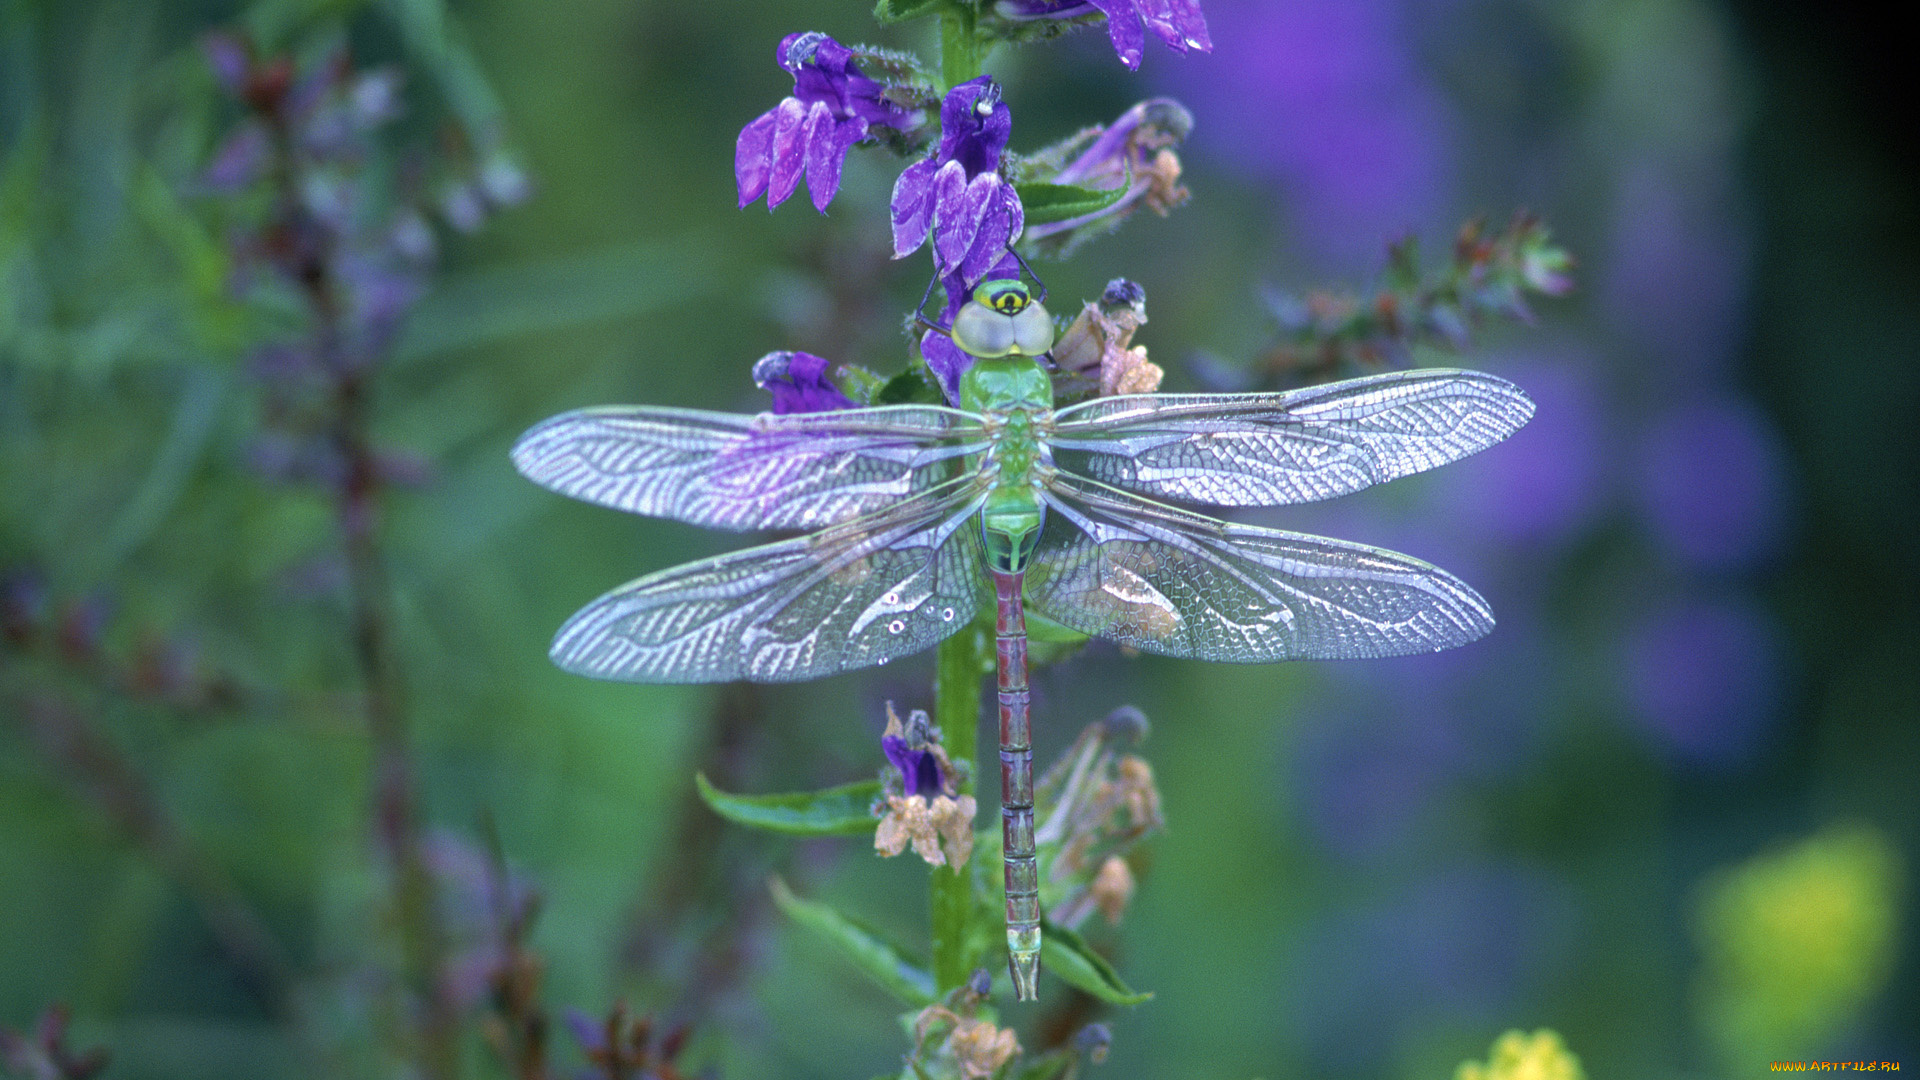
1025	969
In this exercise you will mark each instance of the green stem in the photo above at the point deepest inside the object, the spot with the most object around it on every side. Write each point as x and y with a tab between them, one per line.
956	709
962	53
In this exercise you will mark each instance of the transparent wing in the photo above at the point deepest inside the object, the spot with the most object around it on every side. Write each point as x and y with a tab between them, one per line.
1169	581
851	596
1293	447
720	470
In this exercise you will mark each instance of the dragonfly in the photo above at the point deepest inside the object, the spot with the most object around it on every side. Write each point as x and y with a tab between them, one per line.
915	516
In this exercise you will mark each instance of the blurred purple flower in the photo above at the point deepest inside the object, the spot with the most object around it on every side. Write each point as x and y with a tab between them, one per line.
958	195
240	159
380	291
1364	784
1548	480
1328	98
1675	277
1393	737
1712	484
1179	23
231	59
1703	678
1464	944
832	107
798	382
23	603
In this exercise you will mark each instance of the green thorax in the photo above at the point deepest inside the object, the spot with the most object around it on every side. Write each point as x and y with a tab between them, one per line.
1015	396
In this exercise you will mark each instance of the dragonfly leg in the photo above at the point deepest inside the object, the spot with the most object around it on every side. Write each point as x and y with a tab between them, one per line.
1016	789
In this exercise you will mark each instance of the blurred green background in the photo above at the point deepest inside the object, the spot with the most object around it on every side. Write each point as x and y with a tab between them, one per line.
1668	809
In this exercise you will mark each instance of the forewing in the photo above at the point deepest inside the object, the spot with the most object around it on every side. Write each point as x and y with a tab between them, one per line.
720	470
851	596
1293	447
1168	581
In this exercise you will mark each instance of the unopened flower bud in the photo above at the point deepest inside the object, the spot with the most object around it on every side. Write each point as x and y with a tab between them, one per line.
1092	1042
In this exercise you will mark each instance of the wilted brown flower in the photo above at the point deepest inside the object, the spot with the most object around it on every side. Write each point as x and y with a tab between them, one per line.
940	829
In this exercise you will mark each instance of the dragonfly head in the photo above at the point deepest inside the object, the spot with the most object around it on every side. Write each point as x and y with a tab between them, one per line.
1003	319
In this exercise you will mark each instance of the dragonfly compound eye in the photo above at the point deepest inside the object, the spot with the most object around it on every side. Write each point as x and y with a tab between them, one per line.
1003	319
982	331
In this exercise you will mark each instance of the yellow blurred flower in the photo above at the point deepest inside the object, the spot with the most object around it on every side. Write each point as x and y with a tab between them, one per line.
1519	1056
1797	942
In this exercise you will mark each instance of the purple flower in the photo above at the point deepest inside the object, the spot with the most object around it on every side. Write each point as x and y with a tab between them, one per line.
958	195
798	382
1458	946
832	107
1712	485
914	749
1179	23
1134	151
1703	679
1675	279
1549	482
1328	99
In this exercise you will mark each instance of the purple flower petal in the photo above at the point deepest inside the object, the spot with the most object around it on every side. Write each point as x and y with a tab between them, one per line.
789	151
826	152
957	192
919	769
1192	25
1178	23
1001	218
946	360
753	155
974	140
958	217
1124	30
912	207
798	382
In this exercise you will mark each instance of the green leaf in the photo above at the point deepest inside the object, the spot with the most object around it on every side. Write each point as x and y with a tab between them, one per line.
1047	203
893	11
857	382
838	811
438	42
485	307
1067	955
910	387
886	963
1049	1066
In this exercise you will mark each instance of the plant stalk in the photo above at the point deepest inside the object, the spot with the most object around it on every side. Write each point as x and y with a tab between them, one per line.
960	667
962	53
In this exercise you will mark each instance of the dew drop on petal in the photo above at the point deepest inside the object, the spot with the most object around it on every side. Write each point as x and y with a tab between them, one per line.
946	614
896	626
